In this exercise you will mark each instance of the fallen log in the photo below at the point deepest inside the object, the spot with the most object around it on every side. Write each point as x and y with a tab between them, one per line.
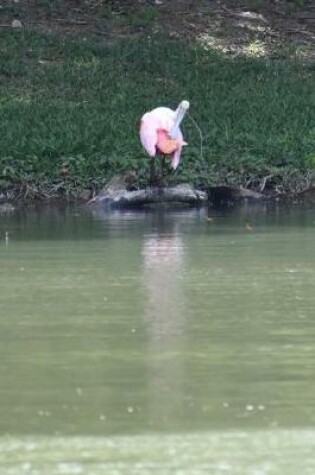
116	197
122	192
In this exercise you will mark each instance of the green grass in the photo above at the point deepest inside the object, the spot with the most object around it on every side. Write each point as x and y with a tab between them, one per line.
70	110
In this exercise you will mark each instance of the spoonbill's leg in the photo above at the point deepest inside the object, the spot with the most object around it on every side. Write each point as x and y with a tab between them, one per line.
162	165
152	171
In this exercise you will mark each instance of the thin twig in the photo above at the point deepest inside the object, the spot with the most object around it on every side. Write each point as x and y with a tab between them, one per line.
263	183
248	182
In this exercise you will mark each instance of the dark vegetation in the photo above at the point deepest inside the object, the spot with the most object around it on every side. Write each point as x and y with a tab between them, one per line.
75	80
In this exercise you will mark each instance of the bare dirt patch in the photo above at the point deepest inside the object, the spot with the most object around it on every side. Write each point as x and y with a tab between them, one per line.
252	27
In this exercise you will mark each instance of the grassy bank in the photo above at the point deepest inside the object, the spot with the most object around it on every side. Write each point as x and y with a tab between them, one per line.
70	110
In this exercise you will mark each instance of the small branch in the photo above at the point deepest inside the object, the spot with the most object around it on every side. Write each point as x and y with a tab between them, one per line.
248	182
263	183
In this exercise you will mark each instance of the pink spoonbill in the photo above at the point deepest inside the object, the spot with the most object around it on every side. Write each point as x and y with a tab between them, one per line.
160	134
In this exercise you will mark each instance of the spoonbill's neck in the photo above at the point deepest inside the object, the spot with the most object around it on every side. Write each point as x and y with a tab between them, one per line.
179	115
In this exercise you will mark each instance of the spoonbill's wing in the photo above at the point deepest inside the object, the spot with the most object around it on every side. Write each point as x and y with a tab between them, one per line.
148	136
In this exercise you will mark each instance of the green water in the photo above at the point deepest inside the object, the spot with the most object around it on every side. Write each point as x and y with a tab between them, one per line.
157	342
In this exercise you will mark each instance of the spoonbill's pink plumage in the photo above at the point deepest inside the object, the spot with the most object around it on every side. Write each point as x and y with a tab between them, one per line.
160	132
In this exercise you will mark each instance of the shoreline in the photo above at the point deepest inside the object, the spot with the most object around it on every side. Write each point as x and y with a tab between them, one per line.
217	196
